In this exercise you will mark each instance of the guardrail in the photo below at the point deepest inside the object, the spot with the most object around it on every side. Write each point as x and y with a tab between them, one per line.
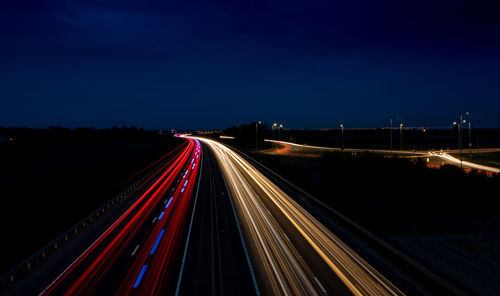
50	248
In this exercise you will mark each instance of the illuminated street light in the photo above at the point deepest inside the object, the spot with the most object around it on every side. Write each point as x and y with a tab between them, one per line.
342	127
460	135
391	132
256	135
401	136
470	139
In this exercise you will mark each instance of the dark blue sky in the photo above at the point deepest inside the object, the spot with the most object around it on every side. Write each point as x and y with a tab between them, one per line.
212	64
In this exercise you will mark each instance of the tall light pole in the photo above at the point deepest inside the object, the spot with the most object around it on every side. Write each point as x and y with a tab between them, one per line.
401	136
470	140
455	123
460	136
342	128
256	134
391	132
337	134
274	129
279	130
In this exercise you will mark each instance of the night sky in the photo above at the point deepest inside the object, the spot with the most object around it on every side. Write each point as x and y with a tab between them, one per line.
213	64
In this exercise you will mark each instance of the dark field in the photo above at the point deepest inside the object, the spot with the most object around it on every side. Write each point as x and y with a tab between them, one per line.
51	179
396	196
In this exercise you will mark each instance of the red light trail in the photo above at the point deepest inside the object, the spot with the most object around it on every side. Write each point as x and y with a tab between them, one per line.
151	266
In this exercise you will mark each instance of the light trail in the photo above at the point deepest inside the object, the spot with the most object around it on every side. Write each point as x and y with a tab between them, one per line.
165	240
468	164
152	261
285	269
299	148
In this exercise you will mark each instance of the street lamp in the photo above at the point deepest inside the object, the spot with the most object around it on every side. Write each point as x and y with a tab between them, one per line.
460	135
279	130
455	123
274	130
256	134
342	127
470	139
391	132
401	136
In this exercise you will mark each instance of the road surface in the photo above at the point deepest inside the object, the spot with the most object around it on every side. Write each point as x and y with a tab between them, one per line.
293	149
291	252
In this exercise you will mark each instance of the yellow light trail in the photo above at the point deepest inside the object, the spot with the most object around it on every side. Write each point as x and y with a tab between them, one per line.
472	165
285	270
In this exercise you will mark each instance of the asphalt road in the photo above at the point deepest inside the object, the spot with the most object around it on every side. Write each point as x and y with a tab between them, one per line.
291	251
208	223
293	149
215	259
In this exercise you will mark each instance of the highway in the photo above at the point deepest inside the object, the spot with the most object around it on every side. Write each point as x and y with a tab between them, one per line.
291	252
293	149
215	260
175	234
137	251
467	164
301	149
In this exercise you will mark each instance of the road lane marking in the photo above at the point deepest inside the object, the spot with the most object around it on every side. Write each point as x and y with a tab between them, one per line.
135	250
177	289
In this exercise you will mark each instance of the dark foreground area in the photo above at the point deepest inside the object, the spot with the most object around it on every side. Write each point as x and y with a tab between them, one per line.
53	178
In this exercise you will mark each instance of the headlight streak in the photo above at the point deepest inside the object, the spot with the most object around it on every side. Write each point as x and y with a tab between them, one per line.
286	270
465	163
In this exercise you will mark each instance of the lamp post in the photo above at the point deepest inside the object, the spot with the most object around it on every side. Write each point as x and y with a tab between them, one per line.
279	130
455	123
401	136
470	140
391	132
256	134
342	128
460	136
274	130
